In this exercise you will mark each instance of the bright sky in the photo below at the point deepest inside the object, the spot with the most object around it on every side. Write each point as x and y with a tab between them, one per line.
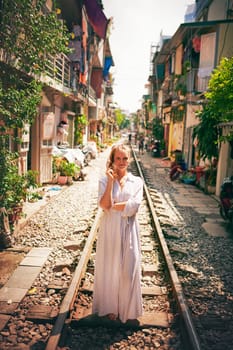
137	25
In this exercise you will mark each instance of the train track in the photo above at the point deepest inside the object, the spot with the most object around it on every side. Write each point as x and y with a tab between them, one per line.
204	265
166	310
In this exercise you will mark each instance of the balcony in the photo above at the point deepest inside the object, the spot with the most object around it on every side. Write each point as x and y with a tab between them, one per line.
58	72
59	76
197	82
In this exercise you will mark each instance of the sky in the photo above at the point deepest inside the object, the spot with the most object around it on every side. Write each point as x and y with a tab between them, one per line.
137	25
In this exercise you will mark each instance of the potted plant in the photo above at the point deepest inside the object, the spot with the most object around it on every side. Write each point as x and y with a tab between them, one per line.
67	171
61	167
55	168
14	187
32	185
210	176
70	169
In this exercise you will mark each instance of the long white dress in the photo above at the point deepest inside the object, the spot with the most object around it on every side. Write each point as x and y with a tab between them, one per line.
117	287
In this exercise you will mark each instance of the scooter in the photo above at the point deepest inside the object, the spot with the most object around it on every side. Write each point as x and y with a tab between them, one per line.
87	154
155	149
226	199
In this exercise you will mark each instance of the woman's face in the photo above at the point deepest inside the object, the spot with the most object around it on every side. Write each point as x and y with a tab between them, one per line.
121	160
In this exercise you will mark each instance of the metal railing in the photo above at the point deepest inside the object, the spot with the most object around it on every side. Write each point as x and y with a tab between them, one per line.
195	83
58	74
59	69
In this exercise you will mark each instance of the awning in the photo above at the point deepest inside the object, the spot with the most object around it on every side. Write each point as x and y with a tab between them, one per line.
96	17
108	62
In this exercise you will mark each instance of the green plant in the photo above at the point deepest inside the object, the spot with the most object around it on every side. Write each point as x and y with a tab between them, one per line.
157	129
55	164
79	124
186	67
12	185
67	169
30	178
33	196
188	175
28	37
30	34
217	109
211	176
70	169
180	84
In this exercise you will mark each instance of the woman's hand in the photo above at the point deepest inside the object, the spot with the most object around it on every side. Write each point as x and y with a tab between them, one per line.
120	206
112	175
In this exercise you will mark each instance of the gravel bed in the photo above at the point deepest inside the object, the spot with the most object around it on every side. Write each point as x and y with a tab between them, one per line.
63	224
204	264
117	336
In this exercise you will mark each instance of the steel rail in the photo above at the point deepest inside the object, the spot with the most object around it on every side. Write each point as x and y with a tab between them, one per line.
192	341
67	303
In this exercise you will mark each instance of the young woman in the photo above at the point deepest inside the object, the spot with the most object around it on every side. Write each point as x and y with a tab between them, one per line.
117	289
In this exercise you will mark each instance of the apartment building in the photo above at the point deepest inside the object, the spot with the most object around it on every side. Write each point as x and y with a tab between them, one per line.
74	84
182	67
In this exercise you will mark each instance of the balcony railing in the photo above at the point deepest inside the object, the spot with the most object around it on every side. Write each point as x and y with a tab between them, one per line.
195	83
58	74
58	68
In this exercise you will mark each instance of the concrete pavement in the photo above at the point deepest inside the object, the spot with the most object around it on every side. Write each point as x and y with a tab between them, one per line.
192	196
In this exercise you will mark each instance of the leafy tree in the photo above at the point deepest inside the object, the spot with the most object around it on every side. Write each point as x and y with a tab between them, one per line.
120	118
80	122
28	35
218	109
207	133
220	90
157	129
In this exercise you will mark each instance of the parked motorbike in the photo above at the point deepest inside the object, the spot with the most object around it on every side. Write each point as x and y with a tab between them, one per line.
226	199
86	153
155	149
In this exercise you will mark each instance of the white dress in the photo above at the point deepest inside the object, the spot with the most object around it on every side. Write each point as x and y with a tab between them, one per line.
117	287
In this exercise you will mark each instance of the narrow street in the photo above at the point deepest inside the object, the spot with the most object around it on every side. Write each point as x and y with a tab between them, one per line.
71	80
186	197
61	204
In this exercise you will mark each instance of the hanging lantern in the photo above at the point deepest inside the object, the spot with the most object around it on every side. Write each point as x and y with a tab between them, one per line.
196	41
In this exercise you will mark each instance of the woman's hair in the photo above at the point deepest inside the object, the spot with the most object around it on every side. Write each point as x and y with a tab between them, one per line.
117	147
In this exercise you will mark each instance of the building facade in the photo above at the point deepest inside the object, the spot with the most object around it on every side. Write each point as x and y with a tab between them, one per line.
182	69
73	85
